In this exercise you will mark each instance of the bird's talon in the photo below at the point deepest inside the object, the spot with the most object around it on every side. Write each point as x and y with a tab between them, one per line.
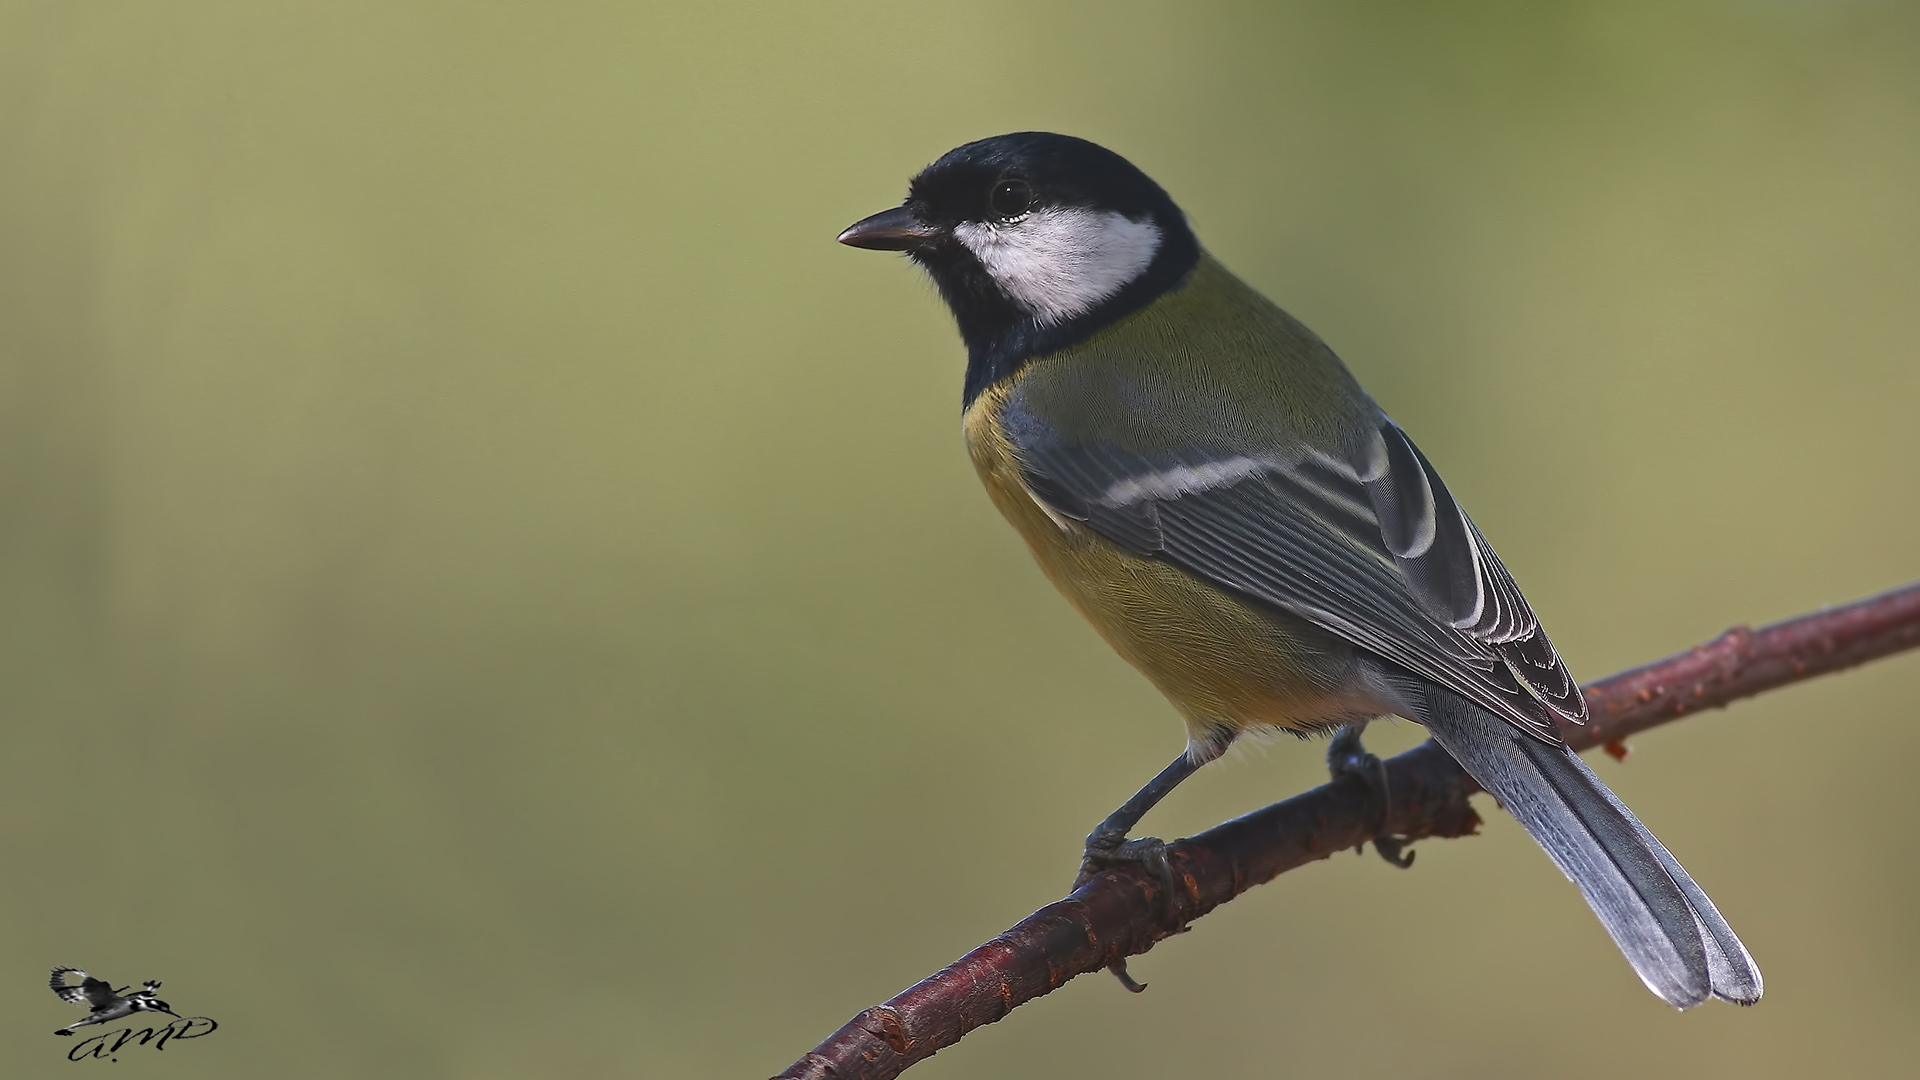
1347	756
1394	850
1119	969
1102	853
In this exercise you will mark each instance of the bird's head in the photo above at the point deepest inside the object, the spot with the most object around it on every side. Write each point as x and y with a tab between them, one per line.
145	1001
1035	241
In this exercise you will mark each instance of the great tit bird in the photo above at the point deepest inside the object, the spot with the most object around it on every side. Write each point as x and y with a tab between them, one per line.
1208	484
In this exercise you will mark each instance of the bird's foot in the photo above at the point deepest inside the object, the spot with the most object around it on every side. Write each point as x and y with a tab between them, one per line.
1347	756
1106	850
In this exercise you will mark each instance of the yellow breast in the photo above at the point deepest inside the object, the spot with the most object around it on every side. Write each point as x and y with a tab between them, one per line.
1226	665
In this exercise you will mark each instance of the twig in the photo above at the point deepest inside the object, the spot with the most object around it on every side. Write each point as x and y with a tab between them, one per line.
1124	912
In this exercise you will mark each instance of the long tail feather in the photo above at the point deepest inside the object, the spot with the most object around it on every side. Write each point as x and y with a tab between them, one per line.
1669	931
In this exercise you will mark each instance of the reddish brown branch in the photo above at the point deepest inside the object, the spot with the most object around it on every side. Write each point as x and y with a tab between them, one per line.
1124	912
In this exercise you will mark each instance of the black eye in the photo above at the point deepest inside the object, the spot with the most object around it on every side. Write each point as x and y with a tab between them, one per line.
1009	199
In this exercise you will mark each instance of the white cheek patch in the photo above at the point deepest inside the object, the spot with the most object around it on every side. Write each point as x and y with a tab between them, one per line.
1062	262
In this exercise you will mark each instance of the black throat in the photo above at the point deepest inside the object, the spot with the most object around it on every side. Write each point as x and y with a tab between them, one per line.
1001	336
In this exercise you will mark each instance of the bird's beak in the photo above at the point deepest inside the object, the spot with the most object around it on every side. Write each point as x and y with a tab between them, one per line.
890	230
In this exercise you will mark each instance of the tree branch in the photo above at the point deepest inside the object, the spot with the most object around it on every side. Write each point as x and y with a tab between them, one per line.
1124	912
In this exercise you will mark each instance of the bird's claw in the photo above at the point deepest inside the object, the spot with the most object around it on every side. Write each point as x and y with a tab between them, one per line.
1394	850
1104	852
1119	969
1347	756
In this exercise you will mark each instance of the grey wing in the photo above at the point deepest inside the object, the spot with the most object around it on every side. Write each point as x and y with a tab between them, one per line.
74	995
1371	546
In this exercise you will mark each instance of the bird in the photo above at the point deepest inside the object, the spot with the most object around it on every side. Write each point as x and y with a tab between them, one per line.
106	1003
1208	484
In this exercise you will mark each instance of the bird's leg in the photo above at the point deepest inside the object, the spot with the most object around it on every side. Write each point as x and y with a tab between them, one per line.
77	1024
1347	756
1107	844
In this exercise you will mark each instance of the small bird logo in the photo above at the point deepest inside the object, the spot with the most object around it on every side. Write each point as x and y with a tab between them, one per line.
105	1004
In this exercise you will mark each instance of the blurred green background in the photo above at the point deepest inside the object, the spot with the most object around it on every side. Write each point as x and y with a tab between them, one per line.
490	589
